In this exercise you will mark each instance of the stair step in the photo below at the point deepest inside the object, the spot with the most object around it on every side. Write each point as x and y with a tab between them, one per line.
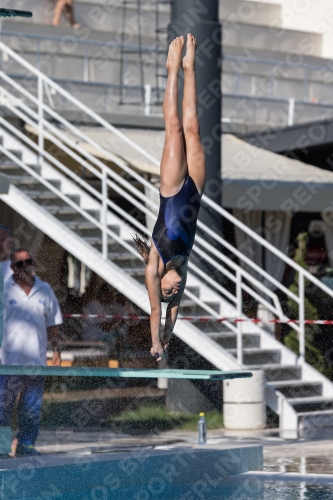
126	259
228	340
4	158
122	255
137	273
315	424
11	169
210	327
97	242
117	247
315	403
48	198
259	356
84	228
195	290
275	372
189	308
25	182
298	388
67	213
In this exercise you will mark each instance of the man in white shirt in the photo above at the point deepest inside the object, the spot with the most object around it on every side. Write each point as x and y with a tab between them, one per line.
31	315
5	249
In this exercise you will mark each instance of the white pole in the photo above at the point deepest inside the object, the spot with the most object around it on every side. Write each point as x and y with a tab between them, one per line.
301	318
1	303
291	111
104	214
85	65
147	99
239	314
40	120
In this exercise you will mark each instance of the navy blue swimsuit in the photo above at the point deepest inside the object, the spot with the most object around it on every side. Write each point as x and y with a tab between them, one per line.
174	231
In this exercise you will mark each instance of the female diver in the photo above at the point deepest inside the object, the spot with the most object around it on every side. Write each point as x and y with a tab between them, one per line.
183	173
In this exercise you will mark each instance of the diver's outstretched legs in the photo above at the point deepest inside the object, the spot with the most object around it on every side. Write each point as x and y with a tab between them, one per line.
194	150
173	163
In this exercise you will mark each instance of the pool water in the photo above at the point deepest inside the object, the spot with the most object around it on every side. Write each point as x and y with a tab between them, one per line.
299	490
239	489
263	489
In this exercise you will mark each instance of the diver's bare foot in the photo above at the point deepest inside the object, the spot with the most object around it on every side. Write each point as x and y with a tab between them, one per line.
191	46
174	60
157	351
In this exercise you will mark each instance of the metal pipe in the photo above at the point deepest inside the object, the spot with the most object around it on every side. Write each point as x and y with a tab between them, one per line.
40	119
239	306
301	289
104	214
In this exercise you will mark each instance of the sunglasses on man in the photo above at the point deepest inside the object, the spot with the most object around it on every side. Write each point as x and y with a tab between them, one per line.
20	263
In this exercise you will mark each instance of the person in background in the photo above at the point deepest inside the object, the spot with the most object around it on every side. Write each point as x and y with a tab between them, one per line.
5	249
108	301
68	6
31	315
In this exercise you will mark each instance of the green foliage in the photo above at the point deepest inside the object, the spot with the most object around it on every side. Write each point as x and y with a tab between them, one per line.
155	418
312	355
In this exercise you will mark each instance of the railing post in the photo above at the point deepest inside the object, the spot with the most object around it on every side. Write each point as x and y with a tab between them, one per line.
104	214
291	111
40	119
239	297
38	54
147	99
1	304
301	318
85	65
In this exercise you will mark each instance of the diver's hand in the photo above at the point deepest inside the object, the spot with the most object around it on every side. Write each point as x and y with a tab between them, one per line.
157	351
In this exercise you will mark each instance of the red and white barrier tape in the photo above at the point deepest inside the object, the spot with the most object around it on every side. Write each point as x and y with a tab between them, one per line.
202	319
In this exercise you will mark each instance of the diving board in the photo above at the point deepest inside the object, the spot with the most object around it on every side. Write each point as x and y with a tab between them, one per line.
80	371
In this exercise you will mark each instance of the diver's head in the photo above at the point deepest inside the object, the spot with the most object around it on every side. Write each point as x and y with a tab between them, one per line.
170	285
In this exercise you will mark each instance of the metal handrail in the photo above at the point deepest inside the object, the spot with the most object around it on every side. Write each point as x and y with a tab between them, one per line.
269	246
322	104
276	62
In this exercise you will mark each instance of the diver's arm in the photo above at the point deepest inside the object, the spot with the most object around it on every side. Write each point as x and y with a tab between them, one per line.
153	281
171	318
173	307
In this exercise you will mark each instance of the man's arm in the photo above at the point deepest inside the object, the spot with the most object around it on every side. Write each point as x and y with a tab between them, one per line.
52	332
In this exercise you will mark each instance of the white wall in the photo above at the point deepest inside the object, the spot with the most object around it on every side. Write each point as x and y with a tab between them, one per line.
309	15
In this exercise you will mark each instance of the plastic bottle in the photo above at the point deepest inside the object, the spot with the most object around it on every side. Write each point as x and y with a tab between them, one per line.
202	429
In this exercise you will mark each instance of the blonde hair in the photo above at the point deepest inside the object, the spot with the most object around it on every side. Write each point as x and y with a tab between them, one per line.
142	248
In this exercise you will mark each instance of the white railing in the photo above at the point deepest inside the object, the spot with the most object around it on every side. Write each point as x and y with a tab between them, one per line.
36	115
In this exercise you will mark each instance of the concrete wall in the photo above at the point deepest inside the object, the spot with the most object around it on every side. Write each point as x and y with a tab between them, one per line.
139	475
312	16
